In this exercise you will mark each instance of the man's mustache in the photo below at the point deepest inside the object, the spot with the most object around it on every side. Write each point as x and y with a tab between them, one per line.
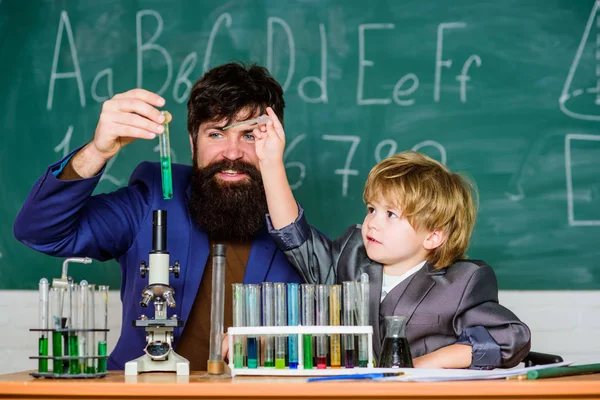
241	167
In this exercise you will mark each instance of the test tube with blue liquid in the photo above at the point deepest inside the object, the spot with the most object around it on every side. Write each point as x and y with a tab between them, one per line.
268	308
165	159
308	319
237	290
293	320
252	319
280	320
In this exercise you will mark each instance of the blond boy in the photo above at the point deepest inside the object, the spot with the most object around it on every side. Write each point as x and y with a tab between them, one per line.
412	244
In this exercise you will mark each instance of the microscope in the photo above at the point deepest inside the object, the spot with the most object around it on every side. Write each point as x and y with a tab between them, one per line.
159	355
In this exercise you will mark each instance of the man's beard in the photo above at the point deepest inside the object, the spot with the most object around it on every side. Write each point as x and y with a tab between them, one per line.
228	210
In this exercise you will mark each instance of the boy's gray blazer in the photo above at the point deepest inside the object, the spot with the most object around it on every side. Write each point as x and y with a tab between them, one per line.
457	304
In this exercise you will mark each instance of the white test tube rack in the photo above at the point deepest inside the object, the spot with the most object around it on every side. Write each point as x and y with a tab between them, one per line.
300	330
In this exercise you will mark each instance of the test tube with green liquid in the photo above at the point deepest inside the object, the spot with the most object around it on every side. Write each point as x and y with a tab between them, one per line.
237	290
165	159
280	320
362	308
268	305
103	291
82	317
43	312
308	319
253	319
90	335
73	323
57	339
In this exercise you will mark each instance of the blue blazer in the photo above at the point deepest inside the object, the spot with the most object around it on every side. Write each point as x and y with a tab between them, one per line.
63	219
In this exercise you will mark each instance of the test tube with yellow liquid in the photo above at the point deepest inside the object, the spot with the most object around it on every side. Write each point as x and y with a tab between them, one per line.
334	320
165	159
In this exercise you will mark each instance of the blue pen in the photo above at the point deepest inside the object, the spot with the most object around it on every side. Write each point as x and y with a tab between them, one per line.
374	375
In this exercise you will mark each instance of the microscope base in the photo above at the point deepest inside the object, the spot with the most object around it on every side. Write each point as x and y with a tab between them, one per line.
174	363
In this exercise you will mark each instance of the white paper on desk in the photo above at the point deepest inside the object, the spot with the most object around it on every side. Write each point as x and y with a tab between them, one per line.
441	375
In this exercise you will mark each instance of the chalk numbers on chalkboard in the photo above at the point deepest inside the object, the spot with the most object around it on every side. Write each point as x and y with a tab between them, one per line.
392	148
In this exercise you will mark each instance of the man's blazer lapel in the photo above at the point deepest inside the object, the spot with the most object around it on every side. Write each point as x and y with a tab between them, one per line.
260	258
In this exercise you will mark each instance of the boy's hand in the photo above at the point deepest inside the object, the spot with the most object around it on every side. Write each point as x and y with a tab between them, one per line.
225	348
452	356
270	140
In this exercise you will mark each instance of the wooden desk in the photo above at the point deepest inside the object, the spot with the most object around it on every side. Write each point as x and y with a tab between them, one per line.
165	386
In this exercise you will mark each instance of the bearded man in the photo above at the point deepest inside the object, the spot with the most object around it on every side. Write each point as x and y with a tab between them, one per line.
219	199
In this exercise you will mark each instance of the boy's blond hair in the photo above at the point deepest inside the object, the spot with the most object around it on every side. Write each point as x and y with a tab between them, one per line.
431	197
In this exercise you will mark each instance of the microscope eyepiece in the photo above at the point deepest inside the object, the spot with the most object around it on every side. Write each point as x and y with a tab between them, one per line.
159	231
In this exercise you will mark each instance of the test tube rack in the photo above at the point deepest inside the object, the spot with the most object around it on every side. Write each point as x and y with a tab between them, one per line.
300	330
65	359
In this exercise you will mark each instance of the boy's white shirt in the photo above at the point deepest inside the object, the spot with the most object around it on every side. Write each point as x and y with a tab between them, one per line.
391	281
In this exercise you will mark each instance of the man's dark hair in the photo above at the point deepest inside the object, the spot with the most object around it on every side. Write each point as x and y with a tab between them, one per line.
227	89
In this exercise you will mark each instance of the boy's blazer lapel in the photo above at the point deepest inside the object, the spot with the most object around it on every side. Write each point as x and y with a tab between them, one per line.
417	289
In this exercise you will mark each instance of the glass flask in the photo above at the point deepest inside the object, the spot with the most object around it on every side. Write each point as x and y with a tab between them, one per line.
395	352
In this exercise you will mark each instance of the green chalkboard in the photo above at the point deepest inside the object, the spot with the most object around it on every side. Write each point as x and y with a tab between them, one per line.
506	91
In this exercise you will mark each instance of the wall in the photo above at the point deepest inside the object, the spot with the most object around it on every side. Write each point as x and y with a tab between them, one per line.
562	322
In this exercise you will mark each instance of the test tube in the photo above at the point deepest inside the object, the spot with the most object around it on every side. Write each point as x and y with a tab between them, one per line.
349	309
57	340
280	320
73	323
362	306
252	319
43	324
215	359
82	323
293	320
334	320
268	306
90	335
308	319
165	159
237	291
103	291
322	311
